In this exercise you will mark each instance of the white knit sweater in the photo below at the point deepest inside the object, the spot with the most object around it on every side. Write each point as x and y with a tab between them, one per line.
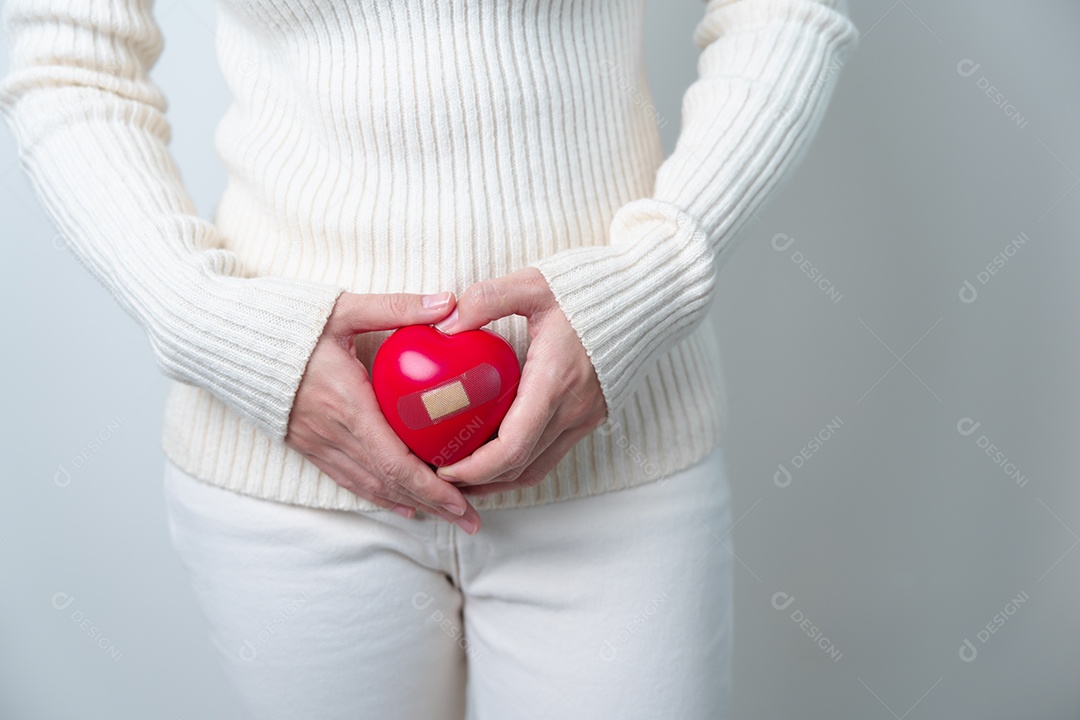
419	146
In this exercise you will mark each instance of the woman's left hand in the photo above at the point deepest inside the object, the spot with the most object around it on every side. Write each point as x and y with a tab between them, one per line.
559	400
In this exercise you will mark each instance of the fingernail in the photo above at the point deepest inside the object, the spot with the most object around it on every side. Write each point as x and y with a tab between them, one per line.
448	322
405	512
435	301
442	474
454	508
468	526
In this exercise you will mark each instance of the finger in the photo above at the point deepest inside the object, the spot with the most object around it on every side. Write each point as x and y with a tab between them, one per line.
388	492
393	463
381	492
561	421
521	429
342	466
416	479
551	433
536	471
367	313
523	292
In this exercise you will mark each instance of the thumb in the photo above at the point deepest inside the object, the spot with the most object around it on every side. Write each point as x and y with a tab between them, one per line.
523	292
367	313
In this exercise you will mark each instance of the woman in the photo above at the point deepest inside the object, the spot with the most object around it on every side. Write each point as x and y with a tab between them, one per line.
382	156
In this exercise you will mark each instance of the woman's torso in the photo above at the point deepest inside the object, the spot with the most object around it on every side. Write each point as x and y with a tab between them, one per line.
419	146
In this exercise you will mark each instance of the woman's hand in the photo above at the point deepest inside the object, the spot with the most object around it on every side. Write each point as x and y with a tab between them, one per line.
559	400
337	424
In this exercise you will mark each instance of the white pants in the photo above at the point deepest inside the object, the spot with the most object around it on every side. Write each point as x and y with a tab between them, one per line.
611	606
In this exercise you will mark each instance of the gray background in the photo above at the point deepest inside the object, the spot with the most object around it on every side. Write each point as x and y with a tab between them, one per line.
899	538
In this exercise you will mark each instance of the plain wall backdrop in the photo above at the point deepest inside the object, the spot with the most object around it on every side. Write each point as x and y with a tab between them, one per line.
900	338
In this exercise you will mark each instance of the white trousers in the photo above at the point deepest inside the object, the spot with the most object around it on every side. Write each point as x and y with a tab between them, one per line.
616	605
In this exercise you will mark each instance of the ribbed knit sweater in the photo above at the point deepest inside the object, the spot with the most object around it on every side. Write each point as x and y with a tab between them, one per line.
419	146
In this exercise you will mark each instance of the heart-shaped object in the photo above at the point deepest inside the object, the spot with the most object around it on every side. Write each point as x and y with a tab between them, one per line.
444	395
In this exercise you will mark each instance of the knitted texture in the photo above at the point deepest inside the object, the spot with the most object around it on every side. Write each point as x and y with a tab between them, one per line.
414	146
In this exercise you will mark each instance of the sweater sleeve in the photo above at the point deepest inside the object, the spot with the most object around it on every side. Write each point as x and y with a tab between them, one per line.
92	136
765	72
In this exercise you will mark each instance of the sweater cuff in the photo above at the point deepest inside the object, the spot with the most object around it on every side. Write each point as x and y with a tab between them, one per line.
255	340
245	339
629	300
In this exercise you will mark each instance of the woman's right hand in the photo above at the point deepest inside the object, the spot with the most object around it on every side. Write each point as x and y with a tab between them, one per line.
337	424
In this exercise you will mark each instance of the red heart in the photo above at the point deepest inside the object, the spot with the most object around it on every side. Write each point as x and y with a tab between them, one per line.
444	395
